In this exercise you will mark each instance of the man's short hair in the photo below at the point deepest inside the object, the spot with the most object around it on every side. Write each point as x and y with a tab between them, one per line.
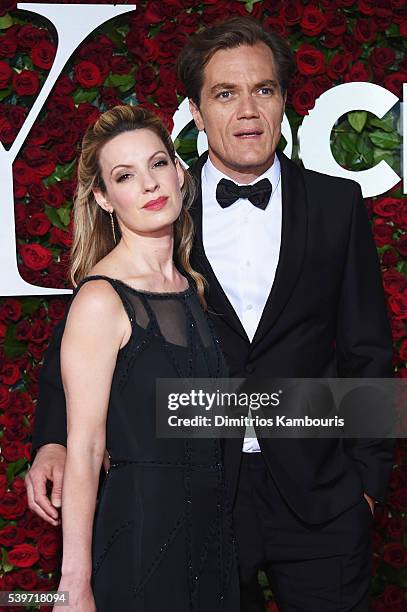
228	35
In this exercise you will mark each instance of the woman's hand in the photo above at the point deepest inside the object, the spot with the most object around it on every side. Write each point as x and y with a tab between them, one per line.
79	593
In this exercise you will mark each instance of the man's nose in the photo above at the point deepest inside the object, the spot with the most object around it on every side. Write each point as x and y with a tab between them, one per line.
247	107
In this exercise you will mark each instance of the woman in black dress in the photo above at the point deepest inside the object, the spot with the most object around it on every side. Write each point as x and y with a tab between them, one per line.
159	536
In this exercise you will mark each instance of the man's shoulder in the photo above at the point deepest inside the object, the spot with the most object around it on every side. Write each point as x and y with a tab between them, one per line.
318	180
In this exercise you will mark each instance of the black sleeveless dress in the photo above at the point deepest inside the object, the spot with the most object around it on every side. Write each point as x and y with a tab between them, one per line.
162	535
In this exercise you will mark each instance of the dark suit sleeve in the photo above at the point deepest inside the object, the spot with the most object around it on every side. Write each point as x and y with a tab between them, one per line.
50	414
364	341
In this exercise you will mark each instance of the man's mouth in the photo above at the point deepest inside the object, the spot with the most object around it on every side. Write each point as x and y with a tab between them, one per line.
248	134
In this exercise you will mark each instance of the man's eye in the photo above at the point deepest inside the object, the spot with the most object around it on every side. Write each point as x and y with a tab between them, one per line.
160	162
223	95
266	90
123	177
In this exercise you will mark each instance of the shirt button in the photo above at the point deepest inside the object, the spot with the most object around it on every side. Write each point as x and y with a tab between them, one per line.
248	264
249	307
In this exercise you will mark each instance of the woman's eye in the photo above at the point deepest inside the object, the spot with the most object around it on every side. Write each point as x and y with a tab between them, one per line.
161	162
122	178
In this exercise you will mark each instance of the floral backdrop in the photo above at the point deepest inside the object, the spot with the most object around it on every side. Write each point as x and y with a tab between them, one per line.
131	59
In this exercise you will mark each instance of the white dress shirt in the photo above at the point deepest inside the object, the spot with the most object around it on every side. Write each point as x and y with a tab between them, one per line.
242	244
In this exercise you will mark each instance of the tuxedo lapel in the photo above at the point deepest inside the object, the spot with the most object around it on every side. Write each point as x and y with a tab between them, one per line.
216	297
293	240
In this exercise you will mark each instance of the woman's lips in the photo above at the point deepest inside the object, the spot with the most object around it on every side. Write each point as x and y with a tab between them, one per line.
157	204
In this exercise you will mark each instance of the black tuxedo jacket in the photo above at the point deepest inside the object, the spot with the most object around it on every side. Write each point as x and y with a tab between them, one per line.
325	316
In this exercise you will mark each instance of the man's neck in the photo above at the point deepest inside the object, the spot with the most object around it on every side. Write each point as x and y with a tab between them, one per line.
239	175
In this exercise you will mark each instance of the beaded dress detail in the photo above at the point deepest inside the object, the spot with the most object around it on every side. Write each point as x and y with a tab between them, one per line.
162	534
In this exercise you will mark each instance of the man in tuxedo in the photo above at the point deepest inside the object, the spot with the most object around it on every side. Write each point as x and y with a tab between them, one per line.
294	291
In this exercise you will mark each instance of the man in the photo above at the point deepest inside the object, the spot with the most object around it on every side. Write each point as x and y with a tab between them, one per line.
295	289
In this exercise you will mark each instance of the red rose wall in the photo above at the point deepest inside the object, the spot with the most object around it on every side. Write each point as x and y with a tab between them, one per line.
131	59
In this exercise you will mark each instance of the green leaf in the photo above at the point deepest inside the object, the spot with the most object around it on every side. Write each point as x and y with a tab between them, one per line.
65	215
385	124
6	21
379	155
52	214
385	140
402	267
348	141
82	95
12	347
30	305
122	81
357	120
249	4
15	468
4	93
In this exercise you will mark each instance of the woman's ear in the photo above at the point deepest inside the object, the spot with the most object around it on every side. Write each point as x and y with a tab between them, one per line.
180	172
100	198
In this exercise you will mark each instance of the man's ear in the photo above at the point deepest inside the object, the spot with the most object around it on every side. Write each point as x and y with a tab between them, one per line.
180	172
100	198
196	113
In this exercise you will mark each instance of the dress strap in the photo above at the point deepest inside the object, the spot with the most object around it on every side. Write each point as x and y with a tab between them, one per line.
128	307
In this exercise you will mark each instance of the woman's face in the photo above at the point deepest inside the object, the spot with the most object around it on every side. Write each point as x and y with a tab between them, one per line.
143	186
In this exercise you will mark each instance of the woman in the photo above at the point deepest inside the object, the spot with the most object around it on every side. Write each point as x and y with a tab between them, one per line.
161	536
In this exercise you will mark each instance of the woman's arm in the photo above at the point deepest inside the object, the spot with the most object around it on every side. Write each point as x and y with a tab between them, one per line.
95	329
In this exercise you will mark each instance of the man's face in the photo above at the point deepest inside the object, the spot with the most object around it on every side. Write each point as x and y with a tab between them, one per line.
241	110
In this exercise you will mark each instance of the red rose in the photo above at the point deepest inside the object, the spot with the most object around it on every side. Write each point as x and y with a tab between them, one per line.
38	224
10	310
394	82
56	309
309	60
390	257
8	46
147	79
49	543
366	7
16	115
60	237
398	499
43	54
64	152
3	484
22	173
303	99
312	21
13	451
398	304
336	23
7	6
88	75
11	535
358	72
87	114
33	525
292	11
4	398
54	196
338	64
26	579
398	329
393	281
395	528
387	207
365	30
120	65
35	256
23	403
276	24
64	86
401	245
382	231
395	554
28	36
5	74
109	97
23	555
12	506
7	133
382	57
26	83
9	374
40	332
40	160
350	44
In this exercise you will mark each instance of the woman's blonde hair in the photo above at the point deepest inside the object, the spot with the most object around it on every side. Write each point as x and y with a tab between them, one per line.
92	236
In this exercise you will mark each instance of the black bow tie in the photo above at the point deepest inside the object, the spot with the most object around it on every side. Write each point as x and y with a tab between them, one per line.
227	193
